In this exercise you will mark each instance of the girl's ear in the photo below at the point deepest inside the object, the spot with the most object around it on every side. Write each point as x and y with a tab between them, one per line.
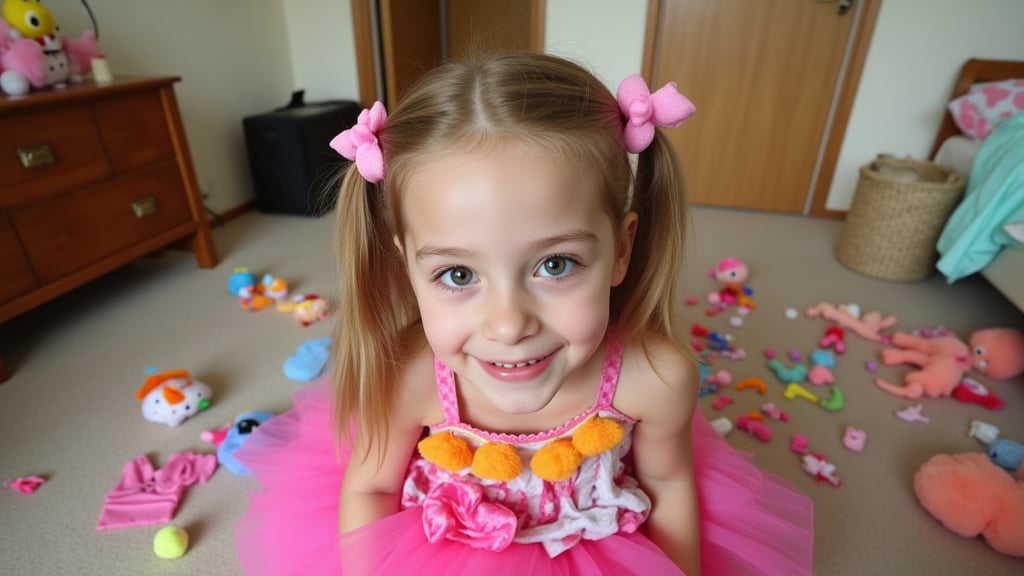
624	248
398	244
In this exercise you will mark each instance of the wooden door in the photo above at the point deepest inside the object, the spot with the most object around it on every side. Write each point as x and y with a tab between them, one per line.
413	39
762	74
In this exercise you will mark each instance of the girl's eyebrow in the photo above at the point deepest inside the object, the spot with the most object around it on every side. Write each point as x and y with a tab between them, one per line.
572	237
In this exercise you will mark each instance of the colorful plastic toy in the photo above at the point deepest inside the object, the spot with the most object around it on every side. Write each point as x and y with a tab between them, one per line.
32	53
241	430
733	274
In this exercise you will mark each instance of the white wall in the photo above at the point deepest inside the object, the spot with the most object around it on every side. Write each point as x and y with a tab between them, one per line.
323	48
234	60
609	41
913	62
242	57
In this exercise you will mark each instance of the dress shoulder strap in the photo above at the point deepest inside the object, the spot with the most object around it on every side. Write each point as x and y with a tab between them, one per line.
610	371
445	380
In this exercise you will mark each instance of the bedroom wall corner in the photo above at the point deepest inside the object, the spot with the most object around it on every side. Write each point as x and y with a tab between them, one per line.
915	56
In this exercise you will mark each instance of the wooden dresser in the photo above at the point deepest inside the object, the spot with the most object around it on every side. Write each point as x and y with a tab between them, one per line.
91	178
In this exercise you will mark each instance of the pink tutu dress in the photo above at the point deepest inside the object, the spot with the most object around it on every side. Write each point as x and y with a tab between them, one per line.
454	522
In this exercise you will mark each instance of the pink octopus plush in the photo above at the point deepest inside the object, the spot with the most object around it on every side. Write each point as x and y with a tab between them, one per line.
943	361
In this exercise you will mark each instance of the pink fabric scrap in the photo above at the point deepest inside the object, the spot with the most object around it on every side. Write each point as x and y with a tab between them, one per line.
147	496
26	484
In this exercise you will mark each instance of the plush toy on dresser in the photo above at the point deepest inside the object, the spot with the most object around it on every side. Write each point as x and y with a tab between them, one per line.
33	55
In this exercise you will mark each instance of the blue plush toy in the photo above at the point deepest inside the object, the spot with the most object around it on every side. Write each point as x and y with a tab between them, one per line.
240	278
240	430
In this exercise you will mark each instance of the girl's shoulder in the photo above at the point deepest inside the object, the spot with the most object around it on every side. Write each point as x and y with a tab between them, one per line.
656	376
417	385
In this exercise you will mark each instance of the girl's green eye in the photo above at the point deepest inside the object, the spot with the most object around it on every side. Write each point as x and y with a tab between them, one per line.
458	276
556	266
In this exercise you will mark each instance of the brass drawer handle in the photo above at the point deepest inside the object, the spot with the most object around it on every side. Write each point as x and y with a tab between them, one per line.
144	207
35	156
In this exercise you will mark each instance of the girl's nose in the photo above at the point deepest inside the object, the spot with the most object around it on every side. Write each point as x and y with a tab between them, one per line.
510	317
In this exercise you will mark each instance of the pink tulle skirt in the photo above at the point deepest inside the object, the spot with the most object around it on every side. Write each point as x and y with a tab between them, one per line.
751	522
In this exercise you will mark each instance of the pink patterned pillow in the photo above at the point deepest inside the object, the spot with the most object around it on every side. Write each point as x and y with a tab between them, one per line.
987	104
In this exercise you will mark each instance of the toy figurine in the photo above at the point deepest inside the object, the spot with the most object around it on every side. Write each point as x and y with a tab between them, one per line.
732	273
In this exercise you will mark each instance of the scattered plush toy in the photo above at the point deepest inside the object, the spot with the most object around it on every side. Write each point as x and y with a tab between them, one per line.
732	274
306	308
34	55
943	361
274	288
971	496
998	352
868	325
241	279
241	429
171	397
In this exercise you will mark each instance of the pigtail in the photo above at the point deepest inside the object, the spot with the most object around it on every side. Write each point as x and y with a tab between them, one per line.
648	302
374	310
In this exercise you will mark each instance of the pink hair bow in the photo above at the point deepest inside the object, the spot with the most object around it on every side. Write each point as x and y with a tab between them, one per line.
644	111
359	143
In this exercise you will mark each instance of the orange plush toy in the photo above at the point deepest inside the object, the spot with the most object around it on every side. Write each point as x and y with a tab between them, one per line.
943	361
998	352
971	496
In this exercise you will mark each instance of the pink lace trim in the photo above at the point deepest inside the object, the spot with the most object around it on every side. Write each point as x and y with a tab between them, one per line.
605	394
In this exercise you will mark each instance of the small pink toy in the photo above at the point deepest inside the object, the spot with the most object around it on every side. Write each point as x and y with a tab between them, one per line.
820	376
998	352
798	444
835	338
774	412
756	429
769	354
721	402
854	438
732	273
215	437
692	301
720	379
25	485
913	414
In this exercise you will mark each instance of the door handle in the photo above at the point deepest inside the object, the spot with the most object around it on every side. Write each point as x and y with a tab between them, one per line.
844	5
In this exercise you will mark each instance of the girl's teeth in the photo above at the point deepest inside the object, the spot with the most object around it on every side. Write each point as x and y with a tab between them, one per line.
519	365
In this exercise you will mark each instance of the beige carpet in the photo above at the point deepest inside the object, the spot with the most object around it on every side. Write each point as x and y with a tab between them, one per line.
69	412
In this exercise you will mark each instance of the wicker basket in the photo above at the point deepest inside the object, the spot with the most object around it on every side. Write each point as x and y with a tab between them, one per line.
898	212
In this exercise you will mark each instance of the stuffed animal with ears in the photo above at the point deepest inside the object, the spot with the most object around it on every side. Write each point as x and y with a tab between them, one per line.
34	55
943	361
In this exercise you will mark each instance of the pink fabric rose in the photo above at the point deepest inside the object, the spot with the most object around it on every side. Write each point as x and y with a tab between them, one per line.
457	511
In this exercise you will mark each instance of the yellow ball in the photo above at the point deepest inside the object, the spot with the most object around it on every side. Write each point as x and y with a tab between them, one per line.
170	542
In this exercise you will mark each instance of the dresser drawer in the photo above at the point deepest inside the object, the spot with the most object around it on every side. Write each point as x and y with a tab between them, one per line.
134	130
63	234
62	148
16	277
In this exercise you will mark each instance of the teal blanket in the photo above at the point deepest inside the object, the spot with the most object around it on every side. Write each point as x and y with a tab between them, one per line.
974	234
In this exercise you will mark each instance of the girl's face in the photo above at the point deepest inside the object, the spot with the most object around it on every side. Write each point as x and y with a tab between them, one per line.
512	259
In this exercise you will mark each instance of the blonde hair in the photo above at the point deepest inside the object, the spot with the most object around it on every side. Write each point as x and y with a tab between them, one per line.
520	97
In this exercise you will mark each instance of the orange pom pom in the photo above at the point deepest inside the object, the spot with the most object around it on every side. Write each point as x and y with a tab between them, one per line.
496	461
447	451
556	461
598	435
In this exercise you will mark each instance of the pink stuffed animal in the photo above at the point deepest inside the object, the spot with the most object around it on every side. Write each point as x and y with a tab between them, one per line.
34	55
971	496
943	361
998	352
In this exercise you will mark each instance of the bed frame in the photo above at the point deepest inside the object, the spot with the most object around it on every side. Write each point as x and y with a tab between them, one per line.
972	72
1006	272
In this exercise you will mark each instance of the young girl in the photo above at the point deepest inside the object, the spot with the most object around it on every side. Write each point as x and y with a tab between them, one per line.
512	379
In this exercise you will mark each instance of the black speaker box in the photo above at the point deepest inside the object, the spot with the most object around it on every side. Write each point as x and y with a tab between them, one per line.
292	163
